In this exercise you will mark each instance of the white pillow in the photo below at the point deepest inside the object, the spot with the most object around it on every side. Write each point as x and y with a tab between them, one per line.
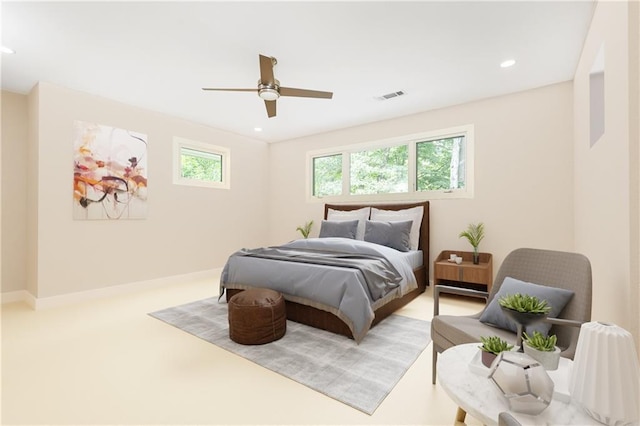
414	214
361	214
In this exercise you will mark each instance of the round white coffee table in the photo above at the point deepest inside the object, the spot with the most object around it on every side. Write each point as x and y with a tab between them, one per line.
476	395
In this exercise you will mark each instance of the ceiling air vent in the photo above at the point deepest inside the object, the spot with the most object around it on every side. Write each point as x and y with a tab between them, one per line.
391	95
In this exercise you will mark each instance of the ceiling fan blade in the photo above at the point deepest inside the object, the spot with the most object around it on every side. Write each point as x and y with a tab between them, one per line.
304	93
271	108
229	90
266	70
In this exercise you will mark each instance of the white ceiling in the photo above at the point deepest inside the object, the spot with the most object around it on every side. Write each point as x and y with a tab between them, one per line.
158	55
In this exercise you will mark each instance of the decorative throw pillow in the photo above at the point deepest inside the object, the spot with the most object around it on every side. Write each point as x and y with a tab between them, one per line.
343	228
390	234
361	214
414	214
557	298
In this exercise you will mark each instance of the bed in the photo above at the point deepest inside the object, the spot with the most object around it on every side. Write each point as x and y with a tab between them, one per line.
303	305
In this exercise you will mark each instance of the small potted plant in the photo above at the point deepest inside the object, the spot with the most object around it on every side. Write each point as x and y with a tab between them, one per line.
306	229
543	349
491	347
524	308
525	303
474	234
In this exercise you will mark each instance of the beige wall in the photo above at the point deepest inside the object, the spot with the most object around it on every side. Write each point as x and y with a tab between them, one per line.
606	187
14	191
523	173
634	155
634	37
188	229
33	165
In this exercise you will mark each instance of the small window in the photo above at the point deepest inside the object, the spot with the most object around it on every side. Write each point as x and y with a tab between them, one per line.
327	175
380	171
440	164
200	164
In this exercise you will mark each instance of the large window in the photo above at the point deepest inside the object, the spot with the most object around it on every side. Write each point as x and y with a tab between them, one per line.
200	164
427	166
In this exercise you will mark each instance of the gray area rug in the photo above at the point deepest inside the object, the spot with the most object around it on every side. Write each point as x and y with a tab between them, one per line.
358	375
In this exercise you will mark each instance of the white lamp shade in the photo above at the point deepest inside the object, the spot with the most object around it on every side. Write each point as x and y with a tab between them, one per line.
605	375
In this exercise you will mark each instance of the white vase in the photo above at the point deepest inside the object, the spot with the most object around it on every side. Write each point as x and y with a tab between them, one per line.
548	359
605	374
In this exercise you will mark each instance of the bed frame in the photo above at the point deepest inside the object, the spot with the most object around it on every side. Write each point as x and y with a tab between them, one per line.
327	321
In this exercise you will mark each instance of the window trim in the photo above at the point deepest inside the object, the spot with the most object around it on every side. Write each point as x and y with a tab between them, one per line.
180	143
411	140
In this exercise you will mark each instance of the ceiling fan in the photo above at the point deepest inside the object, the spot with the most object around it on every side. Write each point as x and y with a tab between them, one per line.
269	88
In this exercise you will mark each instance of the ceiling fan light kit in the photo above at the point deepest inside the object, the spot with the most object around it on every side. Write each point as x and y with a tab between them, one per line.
269	88
268	93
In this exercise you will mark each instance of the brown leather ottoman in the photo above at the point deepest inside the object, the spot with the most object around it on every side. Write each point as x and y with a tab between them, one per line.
257	316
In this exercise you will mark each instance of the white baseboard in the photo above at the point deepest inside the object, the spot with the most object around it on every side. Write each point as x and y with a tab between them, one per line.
18	296
38	303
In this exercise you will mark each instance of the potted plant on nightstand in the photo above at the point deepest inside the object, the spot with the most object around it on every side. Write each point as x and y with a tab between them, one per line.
474	234
543	349
491	347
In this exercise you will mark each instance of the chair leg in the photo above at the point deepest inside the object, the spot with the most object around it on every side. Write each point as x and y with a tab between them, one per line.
434	360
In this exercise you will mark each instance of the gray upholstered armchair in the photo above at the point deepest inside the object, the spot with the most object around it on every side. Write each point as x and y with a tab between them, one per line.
547	268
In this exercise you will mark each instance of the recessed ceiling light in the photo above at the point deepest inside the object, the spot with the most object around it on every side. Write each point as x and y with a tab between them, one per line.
257	129
508	63
5	49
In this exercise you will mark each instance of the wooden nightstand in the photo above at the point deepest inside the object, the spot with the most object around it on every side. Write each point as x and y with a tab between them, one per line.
466	274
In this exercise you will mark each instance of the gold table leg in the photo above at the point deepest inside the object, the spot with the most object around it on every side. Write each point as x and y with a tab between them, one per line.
460	416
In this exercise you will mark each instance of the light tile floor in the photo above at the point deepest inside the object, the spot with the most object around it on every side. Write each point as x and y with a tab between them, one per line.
107	362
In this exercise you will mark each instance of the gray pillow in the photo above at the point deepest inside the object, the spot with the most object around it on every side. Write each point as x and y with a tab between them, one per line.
396	235
342	228
557	298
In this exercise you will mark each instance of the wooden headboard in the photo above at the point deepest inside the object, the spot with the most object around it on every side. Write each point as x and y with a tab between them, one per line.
423	243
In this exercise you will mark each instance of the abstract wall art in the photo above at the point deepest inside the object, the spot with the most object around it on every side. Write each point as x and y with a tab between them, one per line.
109	173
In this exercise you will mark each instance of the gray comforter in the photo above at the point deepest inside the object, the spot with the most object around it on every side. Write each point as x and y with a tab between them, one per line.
349	278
